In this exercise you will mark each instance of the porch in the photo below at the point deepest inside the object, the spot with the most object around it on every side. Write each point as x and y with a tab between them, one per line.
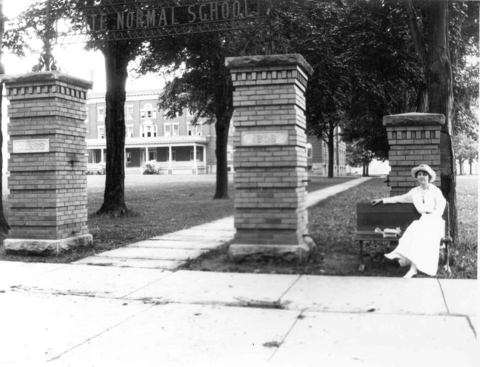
170	155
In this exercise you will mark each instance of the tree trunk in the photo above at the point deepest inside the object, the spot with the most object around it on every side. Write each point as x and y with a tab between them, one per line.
223	115
422	99
222	127
460	165
331	150
470	162
337	154
4	227
440	98
116	62
433	53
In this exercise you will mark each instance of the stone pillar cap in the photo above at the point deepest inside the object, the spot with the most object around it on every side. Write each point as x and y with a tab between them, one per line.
43	76
414	118
268	60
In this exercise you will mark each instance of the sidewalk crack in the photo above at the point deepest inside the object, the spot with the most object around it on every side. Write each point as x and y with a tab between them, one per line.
299	317
99	334
288	289
443	295
470	323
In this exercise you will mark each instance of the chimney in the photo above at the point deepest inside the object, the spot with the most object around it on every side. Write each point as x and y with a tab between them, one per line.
92	76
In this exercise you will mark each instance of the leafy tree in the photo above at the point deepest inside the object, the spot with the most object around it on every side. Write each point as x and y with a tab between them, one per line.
464	42
329	86
204	87
117	55
383	72
364	69
358	156
466	149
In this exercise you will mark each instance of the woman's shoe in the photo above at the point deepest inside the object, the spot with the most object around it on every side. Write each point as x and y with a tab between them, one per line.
411	273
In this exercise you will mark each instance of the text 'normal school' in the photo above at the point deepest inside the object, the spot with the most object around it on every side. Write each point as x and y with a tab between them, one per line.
153	17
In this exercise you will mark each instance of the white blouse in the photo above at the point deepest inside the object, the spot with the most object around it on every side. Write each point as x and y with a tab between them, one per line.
429	201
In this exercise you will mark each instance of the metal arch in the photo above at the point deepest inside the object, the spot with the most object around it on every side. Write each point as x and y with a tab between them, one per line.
260	18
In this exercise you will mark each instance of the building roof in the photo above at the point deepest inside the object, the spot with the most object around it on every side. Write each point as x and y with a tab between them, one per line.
134	93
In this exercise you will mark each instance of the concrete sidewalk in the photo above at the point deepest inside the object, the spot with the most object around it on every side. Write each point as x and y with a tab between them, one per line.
174	249
136	310
80	315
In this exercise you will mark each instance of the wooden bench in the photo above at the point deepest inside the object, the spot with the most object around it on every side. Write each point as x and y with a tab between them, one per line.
392	216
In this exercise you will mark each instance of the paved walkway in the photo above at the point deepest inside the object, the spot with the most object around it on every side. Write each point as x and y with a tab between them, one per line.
139	315
80	315
175	249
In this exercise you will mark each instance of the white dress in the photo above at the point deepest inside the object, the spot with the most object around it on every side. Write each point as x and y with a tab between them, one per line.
421	240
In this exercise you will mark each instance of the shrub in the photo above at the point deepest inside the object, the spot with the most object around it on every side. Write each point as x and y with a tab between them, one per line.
96	169
152	168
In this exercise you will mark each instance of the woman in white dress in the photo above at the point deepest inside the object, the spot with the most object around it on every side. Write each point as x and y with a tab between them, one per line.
419	245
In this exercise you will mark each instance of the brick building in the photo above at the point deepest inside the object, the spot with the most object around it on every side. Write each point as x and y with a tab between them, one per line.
318	155
175	144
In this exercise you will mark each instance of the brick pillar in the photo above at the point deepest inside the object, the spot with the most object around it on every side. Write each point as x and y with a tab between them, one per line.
270	156
414	138
48	184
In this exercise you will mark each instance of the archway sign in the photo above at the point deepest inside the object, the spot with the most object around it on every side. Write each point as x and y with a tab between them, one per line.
115	20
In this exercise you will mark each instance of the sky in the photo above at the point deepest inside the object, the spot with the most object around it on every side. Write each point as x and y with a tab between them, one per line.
72	59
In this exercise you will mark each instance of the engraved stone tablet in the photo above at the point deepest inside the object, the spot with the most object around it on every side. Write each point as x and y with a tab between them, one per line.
31	146
265	138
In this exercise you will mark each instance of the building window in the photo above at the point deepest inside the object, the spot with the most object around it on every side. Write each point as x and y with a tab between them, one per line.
195	129
148	112
309	150
171	128
129	131
148	130
129	113
229	153
101	132
129	157
100	113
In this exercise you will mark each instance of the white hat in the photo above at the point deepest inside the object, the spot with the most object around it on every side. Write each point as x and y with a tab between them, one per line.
424	167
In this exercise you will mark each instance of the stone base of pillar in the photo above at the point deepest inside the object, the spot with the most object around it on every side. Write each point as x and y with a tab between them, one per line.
289	253
24	246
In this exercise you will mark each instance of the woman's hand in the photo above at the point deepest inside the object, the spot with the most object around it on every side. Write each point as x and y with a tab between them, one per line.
377	201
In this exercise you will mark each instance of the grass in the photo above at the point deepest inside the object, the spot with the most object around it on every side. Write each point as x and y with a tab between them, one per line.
161	204
332	226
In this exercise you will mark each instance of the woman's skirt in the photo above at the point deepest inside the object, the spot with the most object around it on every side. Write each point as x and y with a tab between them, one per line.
420	244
